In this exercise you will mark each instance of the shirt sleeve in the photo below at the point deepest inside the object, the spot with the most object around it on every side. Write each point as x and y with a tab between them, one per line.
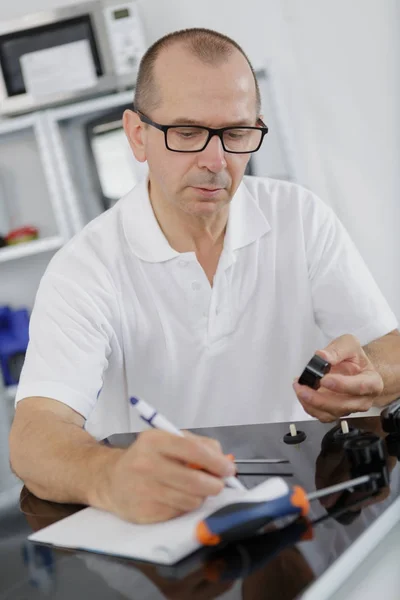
346	298
69	340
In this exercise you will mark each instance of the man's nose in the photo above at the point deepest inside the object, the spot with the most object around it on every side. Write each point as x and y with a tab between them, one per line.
213	155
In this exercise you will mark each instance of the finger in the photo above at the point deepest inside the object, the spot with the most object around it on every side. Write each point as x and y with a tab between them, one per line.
304	395
326	400
364	384
212	443
321	415
335	406
187	449
182	478
202	439
342	348
345	368
191	450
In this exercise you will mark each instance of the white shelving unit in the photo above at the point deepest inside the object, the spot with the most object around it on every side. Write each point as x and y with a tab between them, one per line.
66	130
39	187
29	248
30	194
27	137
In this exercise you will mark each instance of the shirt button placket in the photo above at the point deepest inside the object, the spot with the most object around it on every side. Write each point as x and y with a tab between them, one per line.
191	277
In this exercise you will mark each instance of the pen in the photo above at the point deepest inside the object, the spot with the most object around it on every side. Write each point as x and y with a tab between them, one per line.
155	419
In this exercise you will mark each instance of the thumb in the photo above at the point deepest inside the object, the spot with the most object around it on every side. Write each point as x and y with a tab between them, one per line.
333	353
330	357
342	348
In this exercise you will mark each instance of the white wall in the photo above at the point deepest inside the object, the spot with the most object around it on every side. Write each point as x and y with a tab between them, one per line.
348	54
339	82
338	68
20	8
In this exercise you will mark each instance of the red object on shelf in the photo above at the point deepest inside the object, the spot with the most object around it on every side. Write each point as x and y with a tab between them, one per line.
22	234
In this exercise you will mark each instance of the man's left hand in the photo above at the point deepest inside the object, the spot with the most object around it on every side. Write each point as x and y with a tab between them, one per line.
350	386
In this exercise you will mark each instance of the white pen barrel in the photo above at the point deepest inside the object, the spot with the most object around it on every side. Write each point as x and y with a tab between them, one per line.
154	419
160	422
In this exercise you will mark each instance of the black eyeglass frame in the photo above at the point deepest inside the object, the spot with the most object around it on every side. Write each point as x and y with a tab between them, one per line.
211	132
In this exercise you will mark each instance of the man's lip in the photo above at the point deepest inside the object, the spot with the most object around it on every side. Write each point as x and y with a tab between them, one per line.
200	187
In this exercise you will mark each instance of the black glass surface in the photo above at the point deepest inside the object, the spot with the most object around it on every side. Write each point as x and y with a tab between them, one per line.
281	562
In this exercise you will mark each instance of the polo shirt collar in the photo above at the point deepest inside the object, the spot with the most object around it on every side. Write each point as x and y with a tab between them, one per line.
246	223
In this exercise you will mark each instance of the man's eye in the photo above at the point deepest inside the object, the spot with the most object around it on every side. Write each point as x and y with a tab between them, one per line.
188	133
237	134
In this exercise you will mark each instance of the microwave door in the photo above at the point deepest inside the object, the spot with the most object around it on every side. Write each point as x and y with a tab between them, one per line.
14	46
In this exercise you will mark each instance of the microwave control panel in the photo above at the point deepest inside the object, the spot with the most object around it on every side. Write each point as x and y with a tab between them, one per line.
126	36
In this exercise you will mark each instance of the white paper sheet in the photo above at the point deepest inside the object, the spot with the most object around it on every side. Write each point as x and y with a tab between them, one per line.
59	69
115	163
165	543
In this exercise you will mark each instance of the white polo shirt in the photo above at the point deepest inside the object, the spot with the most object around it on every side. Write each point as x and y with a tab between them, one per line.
120	313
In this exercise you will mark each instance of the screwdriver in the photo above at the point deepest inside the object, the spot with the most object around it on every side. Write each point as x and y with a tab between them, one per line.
241	558
271	500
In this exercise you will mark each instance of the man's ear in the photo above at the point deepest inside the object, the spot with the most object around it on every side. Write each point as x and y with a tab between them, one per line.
135	132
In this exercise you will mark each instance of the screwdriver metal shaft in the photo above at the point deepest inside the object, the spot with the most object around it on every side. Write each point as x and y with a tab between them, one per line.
339	487
260	461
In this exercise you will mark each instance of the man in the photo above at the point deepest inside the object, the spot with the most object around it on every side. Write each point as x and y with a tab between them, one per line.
201	292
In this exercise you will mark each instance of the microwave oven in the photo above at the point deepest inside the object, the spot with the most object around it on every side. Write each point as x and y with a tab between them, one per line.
113	42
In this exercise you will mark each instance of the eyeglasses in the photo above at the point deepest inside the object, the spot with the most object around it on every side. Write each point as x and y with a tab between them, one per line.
192	138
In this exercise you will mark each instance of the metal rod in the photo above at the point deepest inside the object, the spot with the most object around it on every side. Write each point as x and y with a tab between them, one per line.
260	461
264	474
346	485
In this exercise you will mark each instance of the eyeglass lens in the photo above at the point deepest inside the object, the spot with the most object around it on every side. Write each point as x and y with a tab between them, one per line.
191	139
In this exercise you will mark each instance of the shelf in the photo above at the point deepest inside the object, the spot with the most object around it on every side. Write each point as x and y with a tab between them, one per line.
30	248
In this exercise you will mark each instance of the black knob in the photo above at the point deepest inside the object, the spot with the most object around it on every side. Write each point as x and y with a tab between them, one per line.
314	371
366	454
335	438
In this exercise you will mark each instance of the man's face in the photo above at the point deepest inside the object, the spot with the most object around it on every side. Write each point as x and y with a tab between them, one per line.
199	183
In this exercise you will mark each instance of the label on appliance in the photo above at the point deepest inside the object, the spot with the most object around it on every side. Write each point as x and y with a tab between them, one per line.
59	69
126	37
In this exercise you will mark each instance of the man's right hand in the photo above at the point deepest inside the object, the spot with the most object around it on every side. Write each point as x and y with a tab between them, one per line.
152	481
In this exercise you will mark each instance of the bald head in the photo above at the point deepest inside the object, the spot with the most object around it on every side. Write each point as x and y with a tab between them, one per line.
186	54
